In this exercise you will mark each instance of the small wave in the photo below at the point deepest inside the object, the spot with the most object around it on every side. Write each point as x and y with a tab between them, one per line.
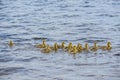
107	15
10	70
91	64
27	59
6	59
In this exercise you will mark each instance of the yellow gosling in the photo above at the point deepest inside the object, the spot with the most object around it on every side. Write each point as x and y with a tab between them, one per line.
69	47
95	47
11	43
107	47
55	47
47	49
79	47
62	45
86	47
43	45
74	51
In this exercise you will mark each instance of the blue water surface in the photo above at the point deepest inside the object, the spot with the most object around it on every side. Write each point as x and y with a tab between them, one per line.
27	22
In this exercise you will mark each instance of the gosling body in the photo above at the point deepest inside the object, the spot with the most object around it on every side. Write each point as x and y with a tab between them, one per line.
11	43
43	45
46	50
107	47
74	50
95	47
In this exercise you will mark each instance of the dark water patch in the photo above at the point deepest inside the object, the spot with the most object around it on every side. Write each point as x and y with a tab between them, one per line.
92	41
57	78
113	29
117	54
1	3
11	70
52	28
25	33
46	23
4	35
43	59
107	15
11	26
87	6
91	64
25	21
86	29
43	38
41	9
72	40
43	75
90	75
115	66
117	3
20	39
4	50
24	15
27	59
70	33
2	18
65	23
63	40
70	16
39	38
6	59
97	39
83	25
69	70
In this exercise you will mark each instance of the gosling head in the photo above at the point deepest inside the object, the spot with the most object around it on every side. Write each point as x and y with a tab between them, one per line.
55	45
95	44
70	44
108	44
74	47
44	41
63	43
78	45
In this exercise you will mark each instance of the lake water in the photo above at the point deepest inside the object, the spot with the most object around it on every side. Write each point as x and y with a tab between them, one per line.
26	22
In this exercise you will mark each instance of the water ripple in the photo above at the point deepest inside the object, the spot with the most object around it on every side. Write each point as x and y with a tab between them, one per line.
10	70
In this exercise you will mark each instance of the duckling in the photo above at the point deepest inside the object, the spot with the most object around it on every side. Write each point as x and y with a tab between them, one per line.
74	51
47	49
95	47
62	45
11	43
55	47
86	47
43	45
69	47
107	47
79	47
